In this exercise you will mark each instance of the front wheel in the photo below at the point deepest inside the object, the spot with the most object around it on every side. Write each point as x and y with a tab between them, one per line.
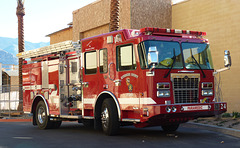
42	119
170	128
109	117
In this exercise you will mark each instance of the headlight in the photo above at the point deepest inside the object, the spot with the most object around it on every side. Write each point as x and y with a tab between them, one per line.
163	85
174	109
207	85
207	92
168	109
161	93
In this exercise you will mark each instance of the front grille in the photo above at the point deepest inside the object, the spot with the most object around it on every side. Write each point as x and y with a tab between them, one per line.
185	89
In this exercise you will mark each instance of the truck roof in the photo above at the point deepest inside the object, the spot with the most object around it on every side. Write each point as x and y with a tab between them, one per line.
115	36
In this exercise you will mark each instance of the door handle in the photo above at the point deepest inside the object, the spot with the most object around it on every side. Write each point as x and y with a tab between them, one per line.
85	84
117	82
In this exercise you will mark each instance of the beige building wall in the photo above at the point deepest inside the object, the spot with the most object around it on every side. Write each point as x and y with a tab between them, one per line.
14	81
62	35
94	19
87	21
221	20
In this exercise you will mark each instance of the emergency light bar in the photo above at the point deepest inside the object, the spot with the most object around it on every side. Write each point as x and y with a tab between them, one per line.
54	48
171	31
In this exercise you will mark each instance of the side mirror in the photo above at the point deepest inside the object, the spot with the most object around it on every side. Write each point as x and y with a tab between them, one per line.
227	59
152	55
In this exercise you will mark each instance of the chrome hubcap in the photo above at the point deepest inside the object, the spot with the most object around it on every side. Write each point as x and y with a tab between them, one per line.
41	115
105	118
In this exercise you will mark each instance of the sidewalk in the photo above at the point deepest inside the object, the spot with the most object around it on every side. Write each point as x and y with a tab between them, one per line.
15	120
21	118
227	126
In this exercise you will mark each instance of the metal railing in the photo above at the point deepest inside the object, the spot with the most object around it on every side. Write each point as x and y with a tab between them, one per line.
10	104
218	90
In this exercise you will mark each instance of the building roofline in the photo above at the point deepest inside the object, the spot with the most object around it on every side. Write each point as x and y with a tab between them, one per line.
59	31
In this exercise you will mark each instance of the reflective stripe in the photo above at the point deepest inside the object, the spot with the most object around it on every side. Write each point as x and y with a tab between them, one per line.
125	101
147	101
34	87
89	101
128	100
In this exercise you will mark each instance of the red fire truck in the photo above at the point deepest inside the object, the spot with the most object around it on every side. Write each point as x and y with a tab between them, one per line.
147	77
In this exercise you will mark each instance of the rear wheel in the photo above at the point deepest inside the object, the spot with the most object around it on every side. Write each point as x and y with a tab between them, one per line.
170	128
42	119
109	117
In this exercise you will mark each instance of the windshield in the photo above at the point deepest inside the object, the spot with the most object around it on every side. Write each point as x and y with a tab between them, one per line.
168	53
197	54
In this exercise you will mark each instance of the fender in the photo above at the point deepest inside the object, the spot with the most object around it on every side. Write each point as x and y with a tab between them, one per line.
45	102
115	100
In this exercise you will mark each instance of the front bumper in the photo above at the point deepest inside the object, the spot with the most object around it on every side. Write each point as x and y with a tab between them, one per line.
182	112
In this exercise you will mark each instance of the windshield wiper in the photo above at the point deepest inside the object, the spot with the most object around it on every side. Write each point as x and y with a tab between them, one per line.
204	76
174	59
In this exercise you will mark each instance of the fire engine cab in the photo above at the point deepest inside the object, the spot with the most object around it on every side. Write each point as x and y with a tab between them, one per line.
146	77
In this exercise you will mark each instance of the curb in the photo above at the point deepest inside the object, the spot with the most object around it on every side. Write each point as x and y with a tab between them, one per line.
15	120
228	131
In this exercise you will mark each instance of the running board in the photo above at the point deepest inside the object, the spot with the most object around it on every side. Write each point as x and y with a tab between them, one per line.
67	117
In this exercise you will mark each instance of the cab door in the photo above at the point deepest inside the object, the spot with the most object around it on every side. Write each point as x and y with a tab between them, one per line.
127	82
90	82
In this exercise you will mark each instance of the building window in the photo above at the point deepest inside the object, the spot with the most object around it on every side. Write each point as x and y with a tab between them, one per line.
103	60
125	58
91	62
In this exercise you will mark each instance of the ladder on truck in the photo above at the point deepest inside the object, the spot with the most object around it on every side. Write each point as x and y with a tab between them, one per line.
67	46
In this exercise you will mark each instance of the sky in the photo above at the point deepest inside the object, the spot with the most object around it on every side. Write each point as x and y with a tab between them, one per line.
42	17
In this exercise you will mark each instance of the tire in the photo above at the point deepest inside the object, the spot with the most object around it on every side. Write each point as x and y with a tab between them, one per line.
109	117
42	119
170	128
88	123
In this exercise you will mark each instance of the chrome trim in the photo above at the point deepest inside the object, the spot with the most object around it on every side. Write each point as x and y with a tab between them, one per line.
44	100
150	73
109	71
71	117
182	84
88	117
116	101
130	120
185	71
27	112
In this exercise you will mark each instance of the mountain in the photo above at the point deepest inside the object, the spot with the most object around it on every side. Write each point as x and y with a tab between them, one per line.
9	49
8	58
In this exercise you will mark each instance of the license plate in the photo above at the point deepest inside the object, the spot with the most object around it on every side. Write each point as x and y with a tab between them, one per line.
196	107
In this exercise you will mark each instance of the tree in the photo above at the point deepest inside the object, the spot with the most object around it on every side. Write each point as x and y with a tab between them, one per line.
20	13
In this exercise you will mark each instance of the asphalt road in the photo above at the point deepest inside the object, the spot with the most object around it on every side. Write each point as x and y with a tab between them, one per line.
24	135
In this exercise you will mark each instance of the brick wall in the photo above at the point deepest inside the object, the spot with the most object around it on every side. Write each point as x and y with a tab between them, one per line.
94	19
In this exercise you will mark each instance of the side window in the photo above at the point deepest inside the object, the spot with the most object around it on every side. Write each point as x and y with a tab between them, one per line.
103	60
90	62
126	58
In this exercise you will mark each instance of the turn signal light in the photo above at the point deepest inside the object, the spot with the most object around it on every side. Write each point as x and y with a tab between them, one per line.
163	85
207	85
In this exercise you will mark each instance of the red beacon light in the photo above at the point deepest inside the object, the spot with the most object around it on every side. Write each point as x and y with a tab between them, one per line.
150	31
